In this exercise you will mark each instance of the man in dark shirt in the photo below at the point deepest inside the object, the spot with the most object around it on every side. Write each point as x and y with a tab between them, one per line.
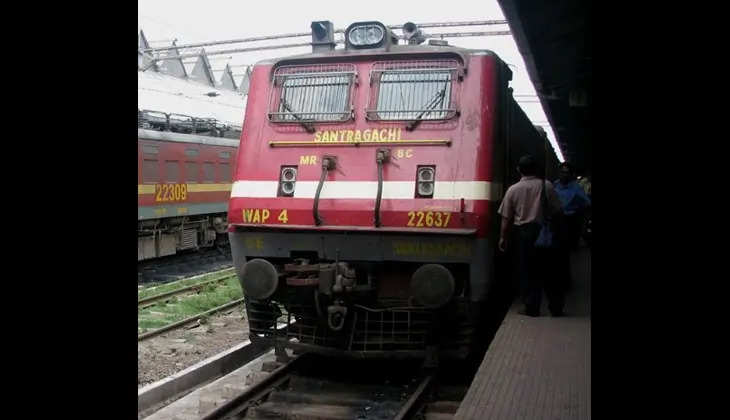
522	210
574	201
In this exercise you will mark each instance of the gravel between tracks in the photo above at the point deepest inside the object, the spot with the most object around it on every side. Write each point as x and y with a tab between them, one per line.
173	351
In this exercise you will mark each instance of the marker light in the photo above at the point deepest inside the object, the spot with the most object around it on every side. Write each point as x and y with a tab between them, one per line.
369	34
288	174
425	179
287	181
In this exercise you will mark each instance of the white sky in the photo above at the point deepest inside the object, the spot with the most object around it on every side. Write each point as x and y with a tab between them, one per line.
192	21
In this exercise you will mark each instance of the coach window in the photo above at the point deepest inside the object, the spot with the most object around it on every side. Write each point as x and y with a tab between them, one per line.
412	90
224	168
208	172
225	172
150	150
172	171
150	171
192	169
150	164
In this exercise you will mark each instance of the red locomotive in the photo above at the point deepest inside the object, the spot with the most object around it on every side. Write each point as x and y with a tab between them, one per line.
184	183
363	210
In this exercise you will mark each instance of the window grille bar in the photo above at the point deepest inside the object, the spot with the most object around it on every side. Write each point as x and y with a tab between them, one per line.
310	75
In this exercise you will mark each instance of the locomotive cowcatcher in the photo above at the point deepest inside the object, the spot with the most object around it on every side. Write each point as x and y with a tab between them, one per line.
363	210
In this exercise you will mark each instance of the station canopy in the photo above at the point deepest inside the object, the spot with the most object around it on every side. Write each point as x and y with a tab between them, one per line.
555	40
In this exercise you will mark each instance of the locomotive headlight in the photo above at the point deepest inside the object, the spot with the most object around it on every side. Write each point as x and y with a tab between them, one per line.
425	173
288	174
366	34
424	181
287	188
425	189
287	181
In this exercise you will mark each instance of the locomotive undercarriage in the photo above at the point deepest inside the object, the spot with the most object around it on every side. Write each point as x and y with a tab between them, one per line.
353	308
163	237
385	331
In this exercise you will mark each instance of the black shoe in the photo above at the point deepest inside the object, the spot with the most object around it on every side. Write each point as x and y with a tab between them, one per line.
557	314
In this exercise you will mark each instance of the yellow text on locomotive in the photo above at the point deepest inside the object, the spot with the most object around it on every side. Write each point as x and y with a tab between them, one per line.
256	215
356	136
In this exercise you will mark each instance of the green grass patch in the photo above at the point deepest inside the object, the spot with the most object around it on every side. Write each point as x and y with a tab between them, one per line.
167	287
185	306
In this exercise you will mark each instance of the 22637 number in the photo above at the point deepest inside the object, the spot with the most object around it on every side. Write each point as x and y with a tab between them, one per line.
171	192
429	218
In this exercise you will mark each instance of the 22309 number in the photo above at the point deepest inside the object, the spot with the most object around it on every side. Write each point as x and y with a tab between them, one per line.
429	218
171	192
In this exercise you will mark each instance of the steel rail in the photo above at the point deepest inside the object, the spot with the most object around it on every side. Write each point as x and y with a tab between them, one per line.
257	391
195	277
200	285
188	320
411	405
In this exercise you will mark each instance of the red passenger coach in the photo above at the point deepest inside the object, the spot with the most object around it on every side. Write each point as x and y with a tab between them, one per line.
363	210
184	183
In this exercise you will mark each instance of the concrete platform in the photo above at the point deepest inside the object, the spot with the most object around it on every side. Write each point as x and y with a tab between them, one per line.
538	368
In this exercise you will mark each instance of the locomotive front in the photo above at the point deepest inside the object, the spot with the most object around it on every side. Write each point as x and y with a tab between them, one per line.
361	209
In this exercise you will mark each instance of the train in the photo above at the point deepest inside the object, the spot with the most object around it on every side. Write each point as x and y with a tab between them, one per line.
185	167
363	213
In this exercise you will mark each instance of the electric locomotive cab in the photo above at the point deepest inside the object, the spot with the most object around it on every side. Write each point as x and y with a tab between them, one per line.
368	179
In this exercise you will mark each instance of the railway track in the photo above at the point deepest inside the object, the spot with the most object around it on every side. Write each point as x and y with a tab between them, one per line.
196	287
167	269
189	320
186	288
311	387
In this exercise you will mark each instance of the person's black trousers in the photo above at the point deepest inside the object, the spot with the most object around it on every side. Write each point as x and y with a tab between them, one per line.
539	269
529	270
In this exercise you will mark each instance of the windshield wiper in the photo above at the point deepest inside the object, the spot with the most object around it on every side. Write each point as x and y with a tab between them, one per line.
310	129
431	104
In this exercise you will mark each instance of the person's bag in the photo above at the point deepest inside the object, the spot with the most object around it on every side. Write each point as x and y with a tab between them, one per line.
545	238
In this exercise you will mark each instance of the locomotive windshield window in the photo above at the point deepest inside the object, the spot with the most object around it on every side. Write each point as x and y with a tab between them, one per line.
412	90
312	93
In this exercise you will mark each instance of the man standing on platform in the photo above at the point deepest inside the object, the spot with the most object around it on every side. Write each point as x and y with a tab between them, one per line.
575	202
522	210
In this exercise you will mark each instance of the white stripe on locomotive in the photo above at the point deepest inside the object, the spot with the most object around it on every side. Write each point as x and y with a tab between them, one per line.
443	190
